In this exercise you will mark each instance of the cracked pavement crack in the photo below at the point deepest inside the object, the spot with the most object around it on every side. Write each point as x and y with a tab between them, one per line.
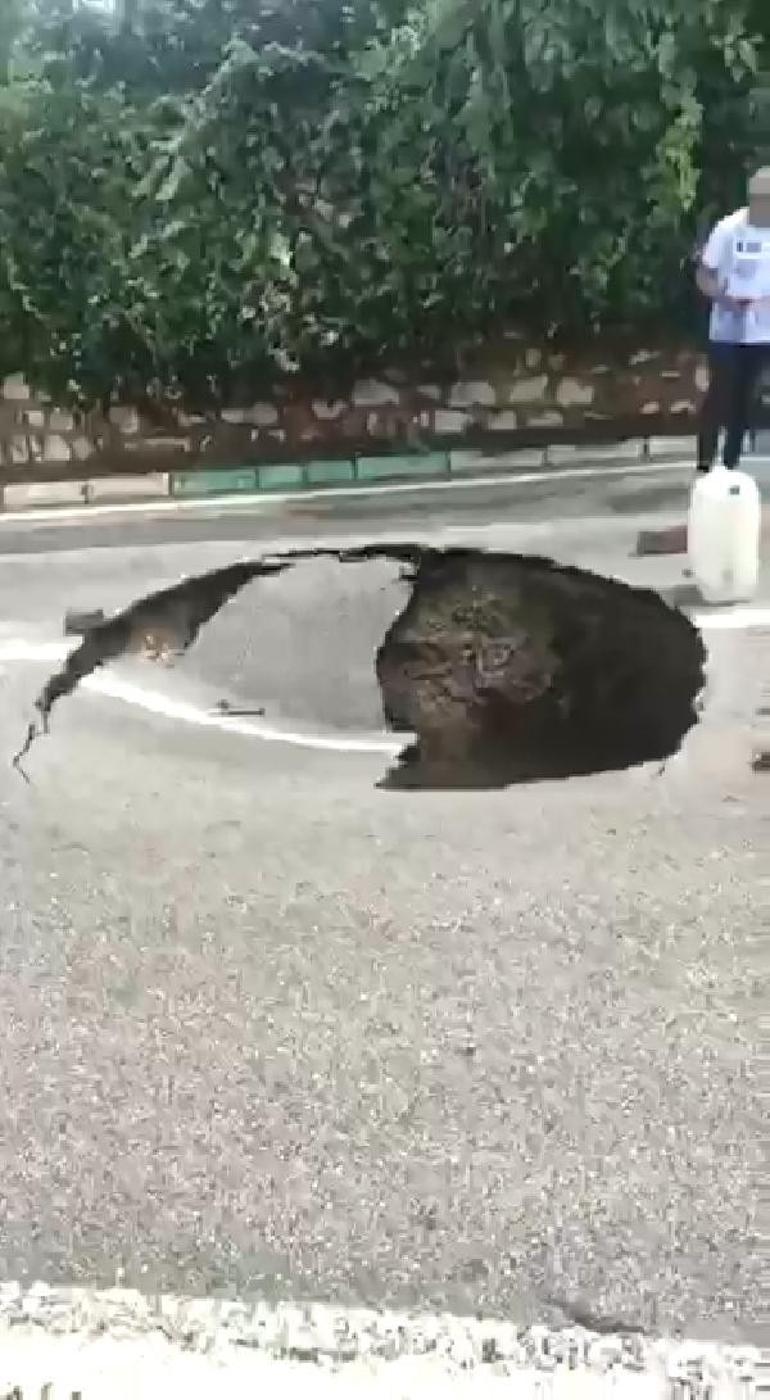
163	623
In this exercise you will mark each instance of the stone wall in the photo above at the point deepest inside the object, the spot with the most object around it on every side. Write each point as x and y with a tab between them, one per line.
514	395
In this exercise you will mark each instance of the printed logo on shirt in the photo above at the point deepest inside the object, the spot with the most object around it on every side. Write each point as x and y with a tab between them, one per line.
739	254
752	248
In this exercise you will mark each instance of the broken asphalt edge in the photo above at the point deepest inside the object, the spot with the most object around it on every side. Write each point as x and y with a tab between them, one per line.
167	622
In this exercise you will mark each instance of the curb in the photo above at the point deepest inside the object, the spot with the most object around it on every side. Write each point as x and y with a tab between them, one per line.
57	1342
270	479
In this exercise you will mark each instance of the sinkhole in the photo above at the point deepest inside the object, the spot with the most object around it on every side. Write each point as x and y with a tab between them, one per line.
498	669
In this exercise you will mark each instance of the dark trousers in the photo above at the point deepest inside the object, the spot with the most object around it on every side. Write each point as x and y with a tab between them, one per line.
733	374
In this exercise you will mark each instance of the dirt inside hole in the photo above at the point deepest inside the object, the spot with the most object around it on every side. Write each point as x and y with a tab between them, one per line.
503	668
511	669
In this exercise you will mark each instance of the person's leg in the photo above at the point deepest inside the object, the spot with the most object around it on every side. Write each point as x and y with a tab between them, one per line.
761	387
747	367
716	402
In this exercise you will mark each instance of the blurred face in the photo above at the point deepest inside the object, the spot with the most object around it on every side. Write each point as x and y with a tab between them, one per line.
759	197
759	184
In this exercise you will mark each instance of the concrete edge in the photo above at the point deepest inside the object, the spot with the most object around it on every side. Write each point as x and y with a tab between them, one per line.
100	1343
354	473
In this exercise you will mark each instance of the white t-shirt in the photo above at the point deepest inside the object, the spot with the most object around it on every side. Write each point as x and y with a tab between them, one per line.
739	255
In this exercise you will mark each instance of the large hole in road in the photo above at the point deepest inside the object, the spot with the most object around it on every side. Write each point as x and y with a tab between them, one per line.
501	668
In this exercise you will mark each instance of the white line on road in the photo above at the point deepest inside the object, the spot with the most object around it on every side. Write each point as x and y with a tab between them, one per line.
115	687
118	1344
112	686
732	620
250	500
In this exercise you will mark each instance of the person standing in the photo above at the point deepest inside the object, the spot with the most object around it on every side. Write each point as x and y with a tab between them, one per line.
734	273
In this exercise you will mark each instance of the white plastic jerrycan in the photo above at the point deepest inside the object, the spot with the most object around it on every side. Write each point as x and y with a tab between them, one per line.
723	535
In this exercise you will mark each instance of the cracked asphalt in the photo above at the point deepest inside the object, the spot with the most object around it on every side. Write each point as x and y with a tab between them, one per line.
270	1030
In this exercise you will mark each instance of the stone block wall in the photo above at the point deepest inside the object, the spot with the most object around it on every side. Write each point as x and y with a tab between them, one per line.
512	395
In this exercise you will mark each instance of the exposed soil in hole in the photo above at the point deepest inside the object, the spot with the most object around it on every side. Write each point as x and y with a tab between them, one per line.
511	669
505	668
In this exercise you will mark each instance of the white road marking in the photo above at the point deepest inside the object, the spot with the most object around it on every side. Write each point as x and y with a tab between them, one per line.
115	687
20	649
732	619
119	1343
268	500
112	686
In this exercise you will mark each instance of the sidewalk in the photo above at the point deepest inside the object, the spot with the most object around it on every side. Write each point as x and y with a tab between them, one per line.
353	475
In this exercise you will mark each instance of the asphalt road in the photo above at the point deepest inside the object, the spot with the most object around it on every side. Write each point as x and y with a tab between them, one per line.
269	1029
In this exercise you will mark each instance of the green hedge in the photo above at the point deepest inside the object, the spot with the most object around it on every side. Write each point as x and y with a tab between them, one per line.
196	193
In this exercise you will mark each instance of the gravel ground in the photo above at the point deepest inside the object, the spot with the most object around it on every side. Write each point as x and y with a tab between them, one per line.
272	1032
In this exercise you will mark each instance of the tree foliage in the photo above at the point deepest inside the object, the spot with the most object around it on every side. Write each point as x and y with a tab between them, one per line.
198	191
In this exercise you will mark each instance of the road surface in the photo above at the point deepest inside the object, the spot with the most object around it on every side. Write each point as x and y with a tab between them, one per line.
271	1030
